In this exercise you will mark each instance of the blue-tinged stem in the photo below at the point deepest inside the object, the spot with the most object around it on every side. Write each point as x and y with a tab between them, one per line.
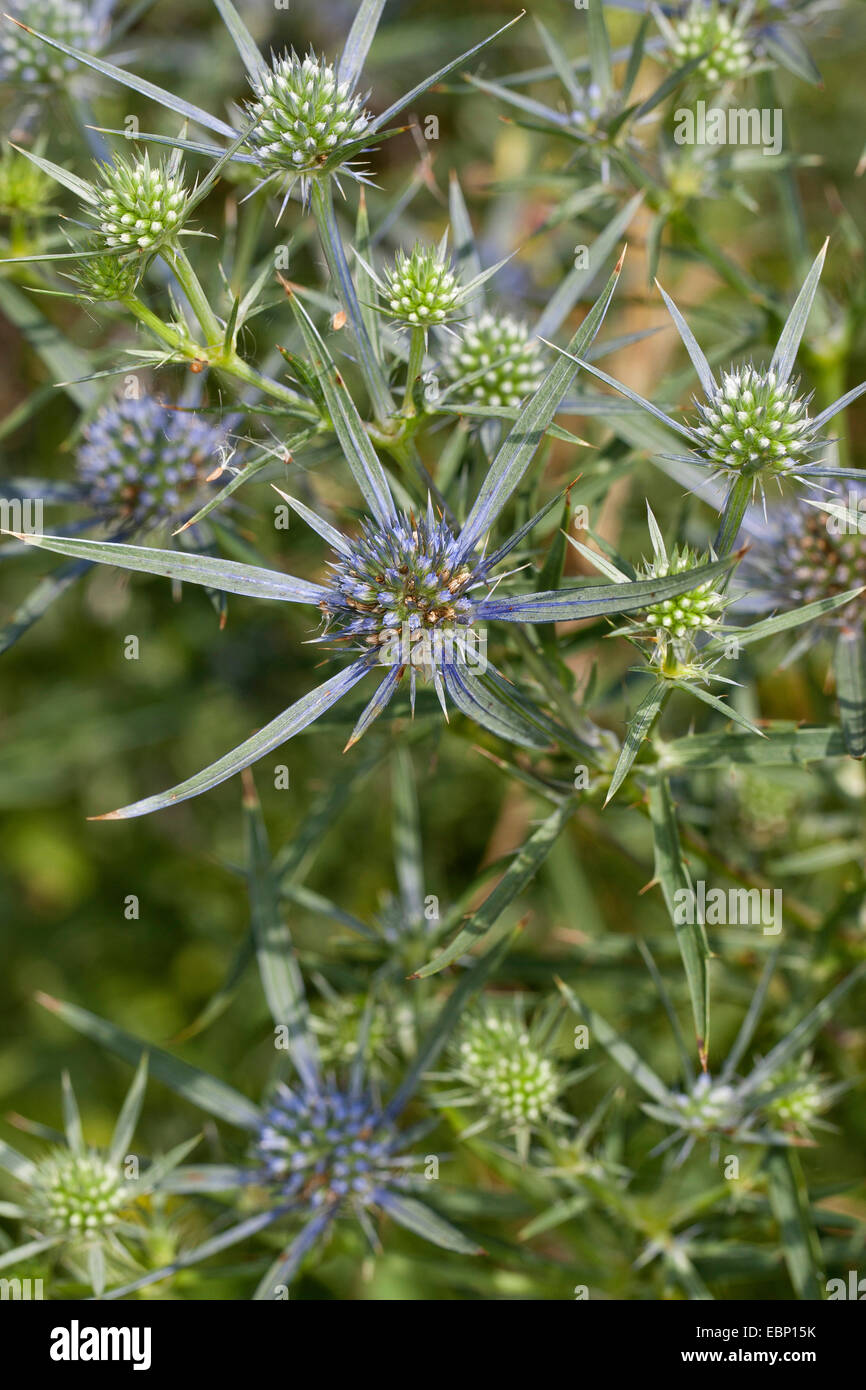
332	245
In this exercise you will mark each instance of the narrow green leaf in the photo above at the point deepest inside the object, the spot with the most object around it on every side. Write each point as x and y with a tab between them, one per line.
673	876
849	666
520	872
194	1085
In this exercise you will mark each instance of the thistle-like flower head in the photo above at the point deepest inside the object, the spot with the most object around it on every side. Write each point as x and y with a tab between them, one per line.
422	288
405	574
24	188
754	423
138	206
328	1146
495	362
106	277
140	463
707	1106
77	1194
26	59
505	1073
802	553
307	122
705	28
797	1097
699	610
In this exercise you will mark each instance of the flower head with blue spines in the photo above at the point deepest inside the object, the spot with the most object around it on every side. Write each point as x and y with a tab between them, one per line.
327	1145
141	463
406	574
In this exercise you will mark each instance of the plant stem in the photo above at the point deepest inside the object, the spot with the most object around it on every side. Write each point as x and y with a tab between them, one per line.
230	366
332	245
417	346
735	509
177	261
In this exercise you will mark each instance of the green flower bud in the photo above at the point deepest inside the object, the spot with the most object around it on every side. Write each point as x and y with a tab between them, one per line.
504	1072
140	206
306	121
753	423
77	1194
501	360
421	288
706	29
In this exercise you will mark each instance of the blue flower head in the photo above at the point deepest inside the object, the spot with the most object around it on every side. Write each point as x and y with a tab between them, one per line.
328	1146
141	463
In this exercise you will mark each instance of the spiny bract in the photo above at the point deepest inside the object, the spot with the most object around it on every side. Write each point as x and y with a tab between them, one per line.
496	362
141	463
305	119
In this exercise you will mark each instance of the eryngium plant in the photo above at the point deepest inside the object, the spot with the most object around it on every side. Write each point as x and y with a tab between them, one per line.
83	1207
411	594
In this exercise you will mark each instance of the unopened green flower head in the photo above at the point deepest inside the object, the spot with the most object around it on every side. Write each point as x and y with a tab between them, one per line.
501	360
753	423
77	1194
802	1103
709	1105
140	206
306	120
107	278
26	59
503	1070
24	189
707	29
698	610
421	288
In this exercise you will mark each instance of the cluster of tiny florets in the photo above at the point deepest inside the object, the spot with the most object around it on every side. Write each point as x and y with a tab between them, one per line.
800	1103
401	575
140	463
76	1194
504	1071
496	362
810	555
708	1105
24	188
326	1145
706	29
107	277
687	613
421	288
754	423
305	118
140	206
24	58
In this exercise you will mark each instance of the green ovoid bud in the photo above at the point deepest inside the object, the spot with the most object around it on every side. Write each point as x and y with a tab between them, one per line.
707	29
496	362
421	289
306	121
77	1194
140	206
